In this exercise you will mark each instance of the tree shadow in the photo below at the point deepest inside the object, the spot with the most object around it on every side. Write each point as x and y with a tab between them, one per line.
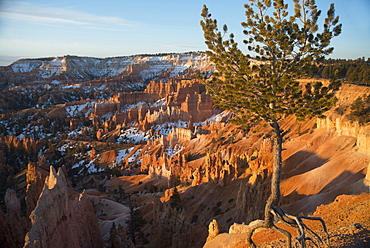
344	180
347	183
301	162
237	201
358	240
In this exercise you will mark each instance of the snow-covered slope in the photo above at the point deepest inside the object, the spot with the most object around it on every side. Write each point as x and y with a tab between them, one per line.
146	66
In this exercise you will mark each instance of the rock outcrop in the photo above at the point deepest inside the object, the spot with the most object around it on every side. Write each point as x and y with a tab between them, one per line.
367	178
170	101
143	67
185	99
172	227
13	204
213	230
35	183
13	226
348	128
347	94
59	222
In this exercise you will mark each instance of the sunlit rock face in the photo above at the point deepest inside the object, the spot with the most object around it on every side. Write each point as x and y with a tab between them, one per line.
59	222
143	67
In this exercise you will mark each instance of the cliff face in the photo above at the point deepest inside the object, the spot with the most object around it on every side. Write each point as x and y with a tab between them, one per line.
58	222
173	226
347	94
35	182
13	226
348	128
87	68
181	99
49	81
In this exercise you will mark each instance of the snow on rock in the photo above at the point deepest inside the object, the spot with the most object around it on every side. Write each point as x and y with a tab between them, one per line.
122	154
147	66
159	103
133	135
71	87
133	157
52	68
91	168
78	165
25	65
224	115
86	167
126	107
75	110
172	151
166	128
75	133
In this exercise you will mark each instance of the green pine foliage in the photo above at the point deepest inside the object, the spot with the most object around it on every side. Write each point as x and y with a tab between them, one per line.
175	199
360	110
285	46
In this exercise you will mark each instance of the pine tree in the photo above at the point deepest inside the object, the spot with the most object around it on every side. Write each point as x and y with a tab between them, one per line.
113	234
285	47
135	223
175	199
351	74
365	74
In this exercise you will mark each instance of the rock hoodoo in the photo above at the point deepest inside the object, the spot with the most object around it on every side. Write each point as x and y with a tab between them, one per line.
55	214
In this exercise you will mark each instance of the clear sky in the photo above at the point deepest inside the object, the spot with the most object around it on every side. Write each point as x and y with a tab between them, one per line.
109	28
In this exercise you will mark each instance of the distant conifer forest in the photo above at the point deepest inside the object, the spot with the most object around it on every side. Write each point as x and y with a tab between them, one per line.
353	71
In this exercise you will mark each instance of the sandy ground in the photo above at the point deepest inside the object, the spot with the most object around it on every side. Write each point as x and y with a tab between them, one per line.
347	220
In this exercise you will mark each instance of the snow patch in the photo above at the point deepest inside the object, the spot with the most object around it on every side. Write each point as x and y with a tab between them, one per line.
132	135
215	118
126	107
75	110
134	156
172	151
159	103
122	154
87	167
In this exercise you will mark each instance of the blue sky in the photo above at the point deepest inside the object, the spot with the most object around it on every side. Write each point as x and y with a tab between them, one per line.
48	28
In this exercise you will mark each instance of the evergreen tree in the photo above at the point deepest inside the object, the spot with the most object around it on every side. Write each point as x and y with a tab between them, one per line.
360	109
325	72
175	199
285	47
351	74
365	74
135	223
113	234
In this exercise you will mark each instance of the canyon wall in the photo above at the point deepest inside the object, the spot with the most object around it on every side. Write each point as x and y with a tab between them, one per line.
176	99
141	67
13	226
348	128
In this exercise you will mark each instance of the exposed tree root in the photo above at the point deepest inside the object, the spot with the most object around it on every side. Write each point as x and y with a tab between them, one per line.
290	220
273	211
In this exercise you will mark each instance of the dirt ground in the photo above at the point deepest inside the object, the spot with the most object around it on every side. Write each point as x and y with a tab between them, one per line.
347	220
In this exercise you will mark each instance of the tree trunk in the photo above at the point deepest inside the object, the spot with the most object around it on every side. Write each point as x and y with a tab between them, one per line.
274	197
272	208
